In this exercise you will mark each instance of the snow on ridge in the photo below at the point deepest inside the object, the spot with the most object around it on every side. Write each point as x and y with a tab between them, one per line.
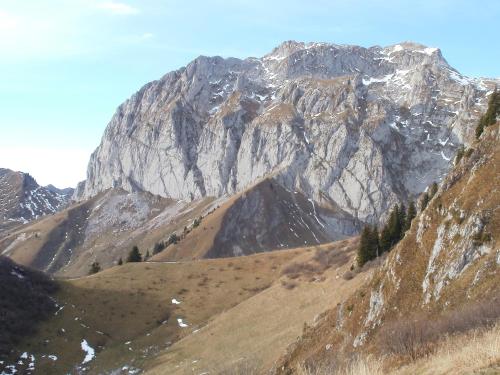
89	351
397	48
371	80
13	272
430	50
181	323
443	143
444	156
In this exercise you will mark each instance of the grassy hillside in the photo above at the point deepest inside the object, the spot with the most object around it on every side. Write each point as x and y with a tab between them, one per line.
441	279
264	217
101	229
128	314
253	334
25	301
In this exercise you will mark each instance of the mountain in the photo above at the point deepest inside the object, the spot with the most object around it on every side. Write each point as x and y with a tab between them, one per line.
214	168
300	147
66	191
101	229
348	127
23	200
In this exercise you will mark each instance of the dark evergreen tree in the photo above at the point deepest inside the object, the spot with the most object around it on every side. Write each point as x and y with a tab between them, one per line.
374	241
368	245
479	128
385	240
424	201
459	155
173	239
120	261
395	225
491	115
433	190
158	247
410	215
401	221
134	255
197	222
363	255
94	268
147	256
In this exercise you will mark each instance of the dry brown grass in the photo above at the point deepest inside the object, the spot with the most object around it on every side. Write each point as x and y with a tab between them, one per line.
324	257
419	335
477	352
262	326
133	303
357	366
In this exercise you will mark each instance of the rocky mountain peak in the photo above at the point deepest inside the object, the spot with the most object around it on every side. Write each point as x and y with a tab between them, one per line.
350	127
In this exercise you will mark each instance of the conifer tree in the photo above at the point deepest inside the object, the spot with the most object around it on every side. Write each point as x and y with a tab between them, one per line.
433	190
120	261
491	115
395	227
134	255
424	201
147	255
401	221
173	239
374	241
363	255
479	128
459	155
94	268
158	247
410	215
385	240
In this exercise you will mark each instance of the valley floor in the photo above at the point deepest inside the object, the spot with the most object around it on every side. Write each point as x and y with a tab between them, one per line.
179	317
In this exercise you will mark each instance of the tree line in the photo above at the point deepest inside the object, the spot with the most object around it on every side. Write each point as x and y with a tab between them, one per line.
133	256
491	115
373	243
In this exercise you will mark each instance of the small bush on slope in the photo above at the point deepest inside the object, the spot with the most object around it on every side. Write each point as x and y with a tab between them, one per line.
417	336
24	301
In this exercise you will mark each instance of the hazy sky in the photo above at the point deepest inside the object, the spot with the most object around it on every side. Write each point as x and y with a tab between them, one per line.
65	65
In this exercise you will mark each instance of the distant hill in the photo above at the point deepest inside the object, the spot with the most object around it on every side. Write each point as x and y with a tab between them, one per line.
23	200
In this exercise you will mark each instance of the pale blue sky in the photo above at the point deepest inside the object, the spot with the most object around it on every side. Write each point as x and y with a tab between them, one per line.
65	65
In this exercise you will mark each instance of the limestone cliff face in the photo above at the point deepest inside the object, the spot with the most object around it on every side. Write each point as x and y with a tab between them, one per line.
352	128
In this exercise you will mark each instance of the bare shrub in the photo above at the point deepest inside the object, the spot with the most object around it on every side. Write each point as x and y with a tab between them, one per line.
484	314
328	258
407	338
294	270
244	367
343	366
288	284
418	336
349	275
377	262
